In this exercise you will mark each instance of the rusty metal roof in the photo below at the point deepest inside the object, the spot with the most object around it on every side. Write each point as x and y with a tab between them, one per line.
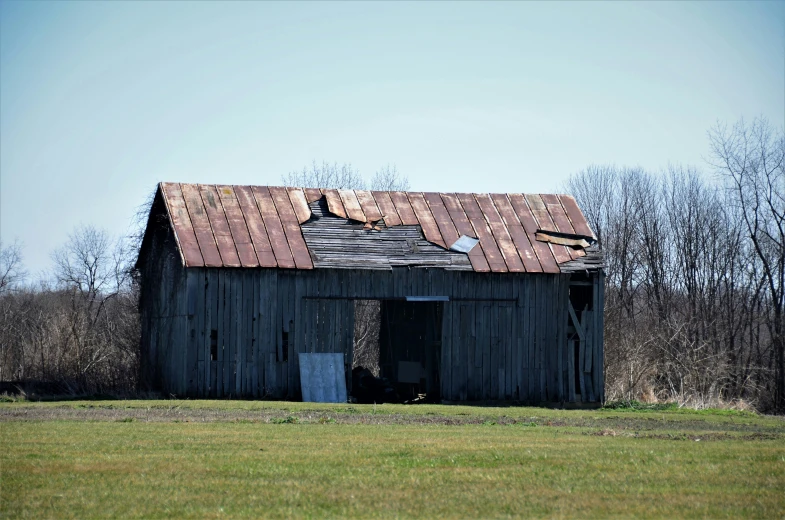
259	226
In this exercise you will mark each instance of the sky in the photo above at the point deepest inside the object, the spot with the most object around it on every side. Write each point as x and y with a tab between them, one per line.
99	101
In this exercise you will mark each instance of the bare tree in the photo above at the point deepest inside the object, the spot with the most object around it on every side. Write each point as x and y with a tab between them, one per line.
751	160
325	175
11	270
686	317
345	176
389	179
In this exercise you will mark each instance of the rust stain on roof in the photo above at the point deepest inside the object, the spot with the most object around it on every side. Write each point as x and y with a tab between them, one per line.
259	226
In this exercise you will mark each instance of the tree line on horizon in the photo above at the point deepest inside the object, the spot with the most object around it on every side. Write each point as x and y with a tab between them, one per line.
694	309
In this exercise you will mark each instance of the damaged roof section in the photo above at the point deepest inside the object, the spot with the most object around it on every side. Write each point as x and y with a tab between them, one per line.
261	226
572	240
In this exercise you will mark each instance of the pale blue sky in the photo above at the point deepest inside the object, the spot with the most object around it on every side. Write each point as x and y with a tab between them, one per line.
101	100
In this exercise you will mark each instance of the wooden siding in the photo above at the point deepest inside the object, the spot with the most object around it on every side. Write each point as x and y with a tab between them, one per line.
216	332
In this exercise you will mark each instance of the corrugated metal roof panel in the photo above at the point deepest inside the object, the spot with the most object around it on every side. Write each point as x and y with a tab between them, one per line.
252	226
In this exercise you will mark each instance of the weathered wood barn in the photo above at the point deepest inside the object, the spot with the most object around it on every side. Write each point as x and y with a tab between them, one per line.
488	297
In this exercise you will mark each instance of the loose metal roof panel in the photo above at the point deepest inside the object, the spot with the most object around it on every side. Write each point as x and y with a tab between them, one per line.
259	226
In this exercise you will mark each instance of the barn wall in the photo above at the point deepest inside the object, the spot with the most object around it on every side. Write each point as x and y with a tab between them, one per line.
163	314
236	332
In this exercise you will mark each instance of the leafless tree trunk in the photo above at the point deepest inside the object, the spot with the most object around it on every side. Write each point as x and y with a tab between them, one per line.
751	160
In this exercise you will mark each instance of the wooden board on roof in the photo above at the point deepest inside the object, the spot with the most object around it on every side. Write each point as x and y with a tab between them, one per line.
442	216
425	218
256	229
300	204
223	236
503	240
387	208
517	233
312	194
238	227
529	223
334	203
352	205
544	221
480	226
368	205
404	208
291	227
464	227
201	225
559	218
183	229
578	221
272	223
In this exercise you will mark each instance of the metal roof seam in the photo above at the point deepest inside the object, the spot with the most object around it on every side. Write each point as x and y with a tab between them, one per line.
430	226
484	253
521	207
580	252
222	212
368	203
539	225
291	241
283	224
169	213
515	221
273	244
476	255
497	265
446	225
575	225
212	240
259	254
247	227
545	221
553	205
392	204
502	236
231	233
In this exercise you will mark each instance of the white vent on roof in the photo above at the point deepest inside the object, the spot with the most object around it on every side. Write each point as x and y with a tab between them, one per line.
464	244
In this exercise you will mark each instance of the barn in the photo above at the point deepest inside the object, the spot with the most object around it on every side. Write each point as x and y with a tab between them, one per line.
480	297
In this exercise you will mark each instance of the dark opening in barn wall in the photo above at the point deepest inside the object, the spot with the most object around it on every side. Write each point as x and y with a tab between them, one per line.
397	351
367	323
410	347
581	300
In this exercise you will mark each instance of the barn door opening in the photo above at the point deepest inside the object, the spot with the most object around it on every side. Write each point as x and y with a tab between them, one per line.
410	340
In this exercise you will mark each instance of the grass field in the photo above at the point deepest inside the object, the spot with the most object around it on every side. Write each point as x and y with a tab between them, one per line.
153	459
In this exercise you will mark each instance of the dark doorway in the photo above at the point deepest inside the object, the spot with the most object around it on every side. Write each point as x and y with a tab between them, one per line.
410	341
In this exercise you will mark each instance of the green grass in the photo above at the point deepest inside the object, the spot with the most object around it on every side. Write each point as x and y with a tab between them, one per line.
153	459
